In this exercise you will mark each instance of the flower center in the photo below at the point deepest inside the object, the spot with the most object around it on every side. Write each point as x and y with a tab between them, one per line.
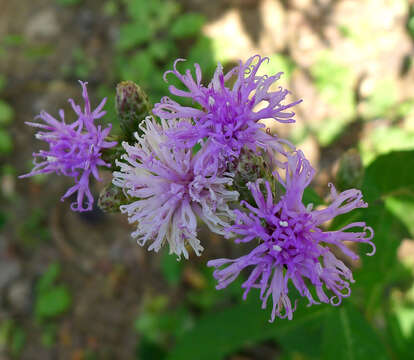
290	238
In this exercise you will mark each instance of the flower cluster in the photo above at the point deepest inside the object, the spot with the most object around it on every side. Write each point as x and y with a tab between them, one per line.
192	164
216	162
75	149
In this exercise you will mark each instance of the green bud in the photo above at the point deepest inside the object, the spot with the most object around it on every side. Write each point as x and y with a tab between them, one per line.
249	167
350	172
111	198
132	106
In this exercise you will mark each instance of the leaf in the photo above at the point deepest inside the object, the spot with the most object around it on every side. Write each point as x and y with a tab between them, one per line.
187	25
171	268
6	143
380	182
47	280
133	34
221	333
390	174
53	302
18	341
348	336
68	2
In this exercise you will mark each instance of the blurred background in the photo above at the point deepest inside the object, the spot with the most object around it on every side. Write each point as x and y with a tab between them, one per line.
76	286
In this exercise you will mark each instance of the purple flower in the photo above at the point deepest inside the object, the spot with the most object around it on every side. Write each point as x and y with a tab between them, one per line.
171	187
74	149
292	245
229	115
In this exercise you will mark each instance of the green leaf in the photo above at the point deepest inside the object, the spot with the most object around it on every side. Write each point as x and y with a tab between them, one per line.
348	336
390	174
68	2
6	113
382	99
187	25
6	143
133	34
171	268
17	342
219	334
311	197
53	302
47	280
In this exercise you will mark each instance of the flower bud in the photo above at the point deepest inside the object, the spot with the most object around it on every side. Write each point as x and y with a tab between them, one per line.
111	198
132	106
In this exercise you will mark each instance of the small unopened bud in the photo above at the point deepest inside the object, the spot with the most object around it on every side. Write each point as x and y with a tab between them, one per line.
132	106
350	171
111	198
249	167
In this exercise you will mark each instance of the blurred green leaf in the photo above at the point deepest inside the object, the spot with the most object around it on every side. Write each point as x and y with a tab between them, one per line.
12	40
187	25
383	139
162	49
148	350
220	333
403	207
6	143
6	113
390	174
382	99
68	2
49	335
171	268
335	82
133	34
311	197
202	54
47	280
53	302
18	341
348	336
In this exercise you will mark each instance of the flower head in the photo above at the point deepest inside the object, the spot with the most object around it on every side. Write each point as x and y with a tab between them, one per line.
229	115
170	188
74	149
291	243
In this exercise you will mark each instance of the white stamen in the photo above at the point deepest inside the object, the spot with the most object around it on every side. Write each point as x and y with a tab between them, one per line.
211	101
51	158
283	223
277	248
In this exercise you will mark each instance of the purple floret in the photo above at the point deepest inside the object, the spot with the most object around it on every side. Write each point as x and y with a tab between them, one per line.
168	191
74	149
292	245
229	115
